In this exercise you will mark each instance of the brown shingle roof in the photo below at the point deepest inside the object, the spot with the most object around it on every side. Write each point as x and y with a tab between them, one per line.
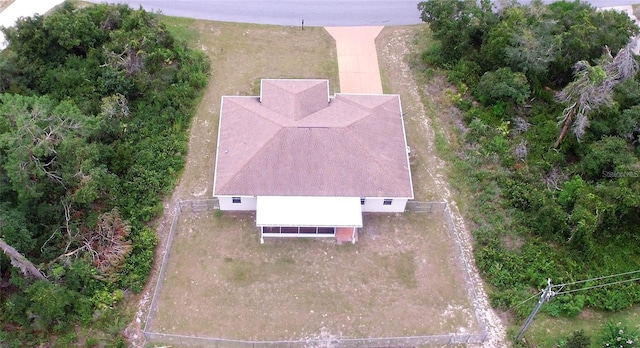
294	142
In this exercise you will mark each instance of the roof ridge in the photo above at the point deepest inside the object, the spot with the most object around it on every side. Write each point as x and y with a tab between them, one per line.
255	113
359	106
252	158
371	156
232	99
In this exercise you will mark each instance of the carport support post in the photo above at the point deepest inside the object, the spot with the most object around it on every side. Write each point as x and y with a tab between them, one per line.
261	232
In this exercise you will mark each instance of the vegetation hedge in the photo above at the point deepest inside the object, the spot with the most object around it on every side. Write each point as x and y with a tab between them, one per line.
95	106
545	205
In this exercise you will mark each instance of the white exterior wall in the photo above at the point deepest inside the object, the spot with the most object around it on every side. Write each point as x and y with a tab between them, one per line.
371	205
375	205
247	203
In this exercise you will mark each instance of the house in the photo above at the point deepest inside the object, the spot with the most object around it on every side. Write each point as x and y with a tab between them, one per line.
310	164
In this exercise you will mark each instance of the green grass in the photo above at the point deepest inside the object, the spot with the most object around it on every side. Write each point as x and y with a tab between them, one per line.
397	280
546	331
182	28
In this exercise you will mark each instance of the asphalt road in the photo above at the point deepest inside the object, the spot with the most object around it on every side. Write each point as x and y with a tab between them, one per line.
290	12
314	12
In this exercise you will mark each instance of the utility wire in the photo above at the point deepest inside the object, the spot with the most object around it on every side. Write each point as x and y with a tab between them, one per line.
596	286
598	278
525	301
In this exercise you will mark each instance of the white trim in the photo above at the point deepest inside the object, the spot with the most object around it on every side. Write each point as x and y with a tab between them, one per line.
303	211
215	168
353	236
328	93
406	145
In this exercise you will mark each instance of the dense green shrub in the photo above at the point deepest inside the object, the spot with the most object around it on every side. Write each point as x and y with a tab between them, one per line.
503	85
578	339
619	335
568	213
95	104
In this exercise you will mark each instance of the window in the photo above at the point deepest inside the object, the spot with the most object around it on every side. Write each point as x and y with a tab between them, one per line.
236	200
361	201
387	201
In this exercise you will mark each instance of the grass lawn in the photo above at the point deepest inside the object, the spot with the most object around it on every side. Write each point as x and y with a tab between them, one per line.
244	292
546	331
401	278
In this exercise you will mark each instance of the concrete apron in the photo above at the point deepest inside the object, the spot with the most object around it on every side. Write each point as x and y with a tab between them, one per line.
357	59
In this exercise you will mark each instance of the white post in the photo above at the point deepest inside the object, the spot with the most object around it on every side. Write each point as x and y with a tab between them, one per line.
353	236
261	232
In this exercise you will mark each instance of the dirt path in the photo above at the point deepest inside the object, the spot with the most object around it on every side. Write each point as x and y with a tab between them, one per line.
394	46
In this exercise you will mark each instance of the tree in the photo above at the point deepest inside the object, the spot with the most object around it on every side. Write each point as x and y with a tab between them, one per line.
459	25
18	260
593	87
521	40
93	132
38	133
503	85
581	32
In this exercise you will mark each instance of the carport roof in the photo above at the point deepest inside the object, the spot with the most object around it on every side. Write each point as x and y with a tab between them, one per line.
308	211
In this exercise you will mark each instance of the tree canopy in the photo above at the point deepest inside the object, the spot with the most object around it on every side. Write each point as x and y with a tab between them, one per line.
95	103
566	212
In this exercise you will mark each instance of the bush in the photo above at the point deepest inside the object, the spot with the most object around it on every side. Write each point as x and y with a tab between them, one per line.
138	265
503	85
619	335
464	72
578	339
50	305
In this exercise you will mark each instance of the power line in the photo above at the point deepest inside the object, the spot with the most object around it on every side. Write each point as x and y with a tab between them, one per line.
548	293
597	286
598	278
525	301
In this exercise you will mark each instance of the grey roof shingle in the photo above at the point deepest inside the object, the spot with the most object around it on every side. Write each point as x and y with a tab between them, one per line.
296	141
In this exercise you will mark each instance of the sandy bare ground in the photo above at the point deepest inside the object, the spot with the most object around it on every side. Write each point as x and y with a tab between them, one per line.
395	44
400	279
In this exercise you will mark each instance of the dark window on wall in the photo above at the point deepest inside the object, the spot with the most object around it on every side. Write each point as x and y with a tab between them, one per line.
236	200
387	201
361	201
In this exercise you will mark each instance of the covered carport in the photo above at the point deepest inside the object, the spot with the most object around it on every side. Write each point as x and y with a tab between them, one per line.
313	216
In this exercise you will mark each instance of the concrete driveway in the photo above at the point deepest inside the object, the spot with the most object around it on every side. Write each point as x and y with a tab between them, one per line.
357	59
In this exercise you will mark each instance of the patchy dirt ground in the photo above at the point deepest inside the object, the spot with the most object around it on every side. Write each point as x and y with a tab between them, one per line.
395	46
401	278
241	54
